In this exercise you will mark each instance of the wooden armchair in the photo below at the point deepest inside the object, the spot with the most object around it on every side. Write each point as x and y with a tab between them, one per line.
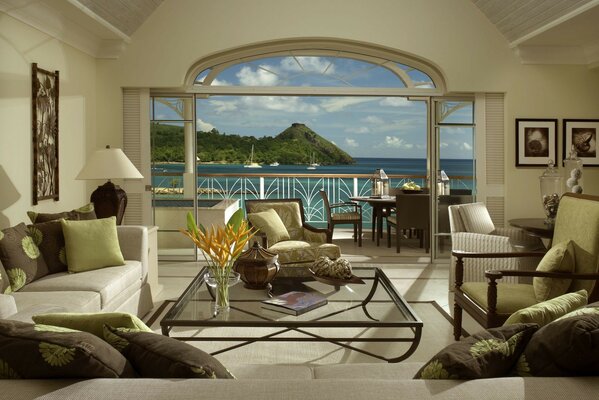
491	303
351	216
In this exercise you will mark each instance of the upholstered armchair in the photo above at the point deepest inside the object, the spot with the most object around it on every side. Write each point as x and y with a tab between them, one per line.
570	265
473	230
284	231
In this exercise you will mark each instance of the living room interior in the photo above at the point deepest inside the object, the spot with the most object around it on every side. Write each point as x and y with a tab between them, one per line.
513	62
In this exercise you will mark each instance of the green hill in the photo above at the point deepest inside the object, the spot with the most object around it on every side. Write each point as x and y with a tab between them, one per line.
294	145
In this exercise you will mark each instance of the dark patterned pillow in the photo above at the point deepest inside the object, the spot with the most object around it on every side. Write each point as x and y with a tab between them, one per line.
486	354
43	351
21	257
79	214
49	239
157	356
5	287
568	346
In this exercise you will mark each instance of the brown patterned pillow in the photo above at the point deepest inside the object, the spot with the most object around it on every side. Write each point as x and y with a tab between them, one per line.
157	356
49	239
486	354
43	351
5	287
568	346
21	257
79	214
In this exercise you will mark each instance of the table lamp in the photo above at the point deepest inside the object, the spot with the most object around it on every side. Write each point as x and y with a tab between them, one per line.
109	199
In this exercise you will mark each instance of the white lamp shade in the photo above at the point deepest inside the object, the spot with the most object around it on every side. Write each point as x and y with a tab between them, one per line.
109	164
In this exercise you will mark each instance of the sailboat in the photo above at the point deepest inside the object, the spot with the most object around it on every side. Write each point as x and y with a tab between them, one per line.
251	163
275	164
313	163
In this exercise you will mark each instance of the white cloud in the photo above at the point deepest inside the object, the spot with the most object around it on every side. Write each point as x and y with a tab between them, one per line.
221	106
443	145
279	103
308	64
394	141
204	126
219	82
466	146
260	77
351	142
373	119
339	103
360	129
395	102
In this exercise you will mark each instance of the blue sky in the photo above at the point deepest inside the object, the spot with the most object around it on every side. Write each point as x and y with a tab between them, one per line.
362	126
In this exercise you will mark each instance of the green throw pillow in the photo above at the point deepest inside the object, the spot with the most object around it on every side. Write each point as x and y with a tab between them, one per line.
486	354
21	257
271	224
92	322
559	258
158	356
31	351
91	244
550	310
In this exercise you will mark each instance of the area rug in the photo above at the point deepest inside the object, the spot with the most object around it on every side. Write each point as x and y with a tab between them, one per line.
436	334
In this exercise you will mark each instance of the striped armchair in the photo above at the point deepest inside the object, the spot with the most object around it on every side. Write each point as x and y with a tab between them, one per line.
473	230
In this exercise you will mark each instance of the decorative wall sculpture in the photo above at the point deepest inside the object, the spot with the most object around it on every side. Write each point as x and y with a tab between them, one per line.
44	114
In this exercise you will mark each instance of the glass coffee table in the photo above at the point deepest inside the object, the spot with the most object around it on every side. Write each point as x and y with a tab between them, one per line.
374	306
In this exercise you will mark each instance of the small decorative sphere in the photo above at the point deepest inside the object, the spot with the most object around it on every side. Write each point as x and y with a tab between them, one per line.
339	269
576	189
576	173
571	182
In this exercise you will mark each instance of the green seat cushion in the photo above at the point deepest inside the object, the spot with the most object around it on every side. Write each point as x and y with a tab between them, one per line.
21	257
296	251
511	297
550	310
560	258
158	356
92	322
271	224
289	212
91	244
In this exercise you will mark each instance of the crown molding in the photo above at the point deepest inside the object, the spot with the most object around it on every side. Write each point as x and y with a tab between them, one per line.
71	23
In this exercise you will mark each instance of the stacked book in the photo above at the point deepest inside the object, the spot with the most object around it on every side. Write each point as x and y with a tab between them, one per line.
295	303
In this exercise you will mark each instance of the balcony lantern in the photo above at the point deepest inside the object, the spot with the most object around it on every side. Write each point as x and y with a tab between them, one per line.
380	184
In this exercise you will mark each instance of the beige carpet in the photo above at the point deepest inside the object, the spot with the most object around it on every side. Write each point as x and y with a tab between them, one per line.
436	334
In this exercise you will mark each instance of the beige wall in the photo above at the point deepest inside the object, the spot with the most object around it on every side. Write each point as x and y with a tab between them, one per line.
21	45
451	34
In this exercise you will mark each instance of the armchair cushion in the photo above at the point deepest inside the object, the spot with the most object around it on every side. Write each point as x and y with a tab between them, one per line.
511	297
476	218
289	212
486	354
550	310
566	347
560	258
297	251
271	224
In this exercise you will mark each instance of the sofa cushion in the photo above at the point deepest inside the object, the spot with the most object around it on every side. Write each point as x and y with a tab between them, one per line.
92	322
271	224
592	308
5	287
297	251
550	310
486	354
21	257
42	351
83	213
67	301
157	356
49	239
476	218
559	258
91	244
108	282
511	297
566	347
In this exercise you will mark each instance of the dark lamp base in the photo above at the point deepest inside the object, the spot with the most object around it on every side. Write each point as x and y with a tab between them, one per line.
109	200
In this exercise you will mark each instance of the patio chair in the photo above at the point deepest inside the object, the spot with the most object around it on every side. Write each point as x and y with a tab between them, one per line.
297	243
491	303
351	216
412	211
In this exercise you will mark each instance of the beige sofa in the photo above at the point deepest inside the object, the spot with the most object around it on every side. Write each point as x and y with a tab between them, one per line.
122	288
290	382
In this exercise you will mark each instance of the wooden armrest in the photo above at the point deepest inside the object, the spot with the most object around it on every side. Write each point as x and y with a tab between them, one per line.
520	254
346	204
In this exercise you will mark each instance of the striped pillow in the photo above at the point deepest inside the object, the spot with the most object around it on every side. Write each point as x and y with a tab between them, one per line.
476	218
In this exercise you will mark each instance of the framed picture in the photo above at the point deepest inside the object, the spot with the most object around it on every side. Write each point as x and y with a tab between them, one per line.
44	125
536	142
581	134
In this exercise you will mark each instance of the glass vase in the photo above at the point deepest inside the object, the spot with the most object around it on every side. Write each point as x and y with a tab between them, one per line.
220	284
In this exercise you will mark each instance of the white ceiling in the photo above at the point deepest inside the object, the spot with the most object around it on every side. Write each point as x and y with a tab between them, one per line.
539	31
